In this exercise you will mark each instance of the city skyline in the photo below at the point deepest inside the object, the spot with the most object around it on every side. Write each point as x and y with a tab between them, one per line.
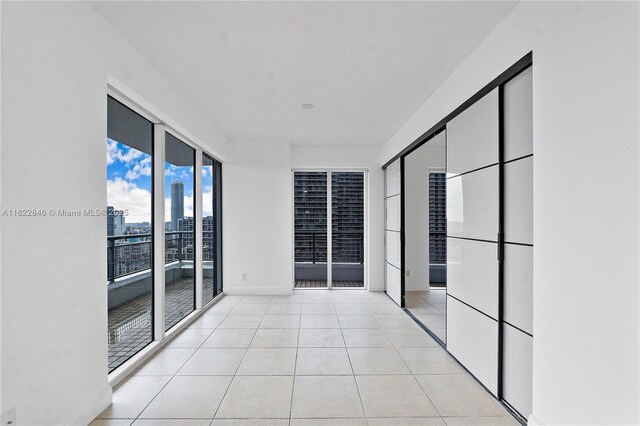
129	183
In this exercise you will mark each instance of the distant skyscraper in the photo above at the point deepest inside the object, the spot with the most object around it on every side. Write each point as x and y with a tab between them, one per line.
120	224
177	203
111	221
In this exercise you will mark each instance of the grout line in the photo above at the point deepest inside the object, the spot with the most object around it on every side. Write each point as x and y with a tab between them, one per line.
364	413
182	365
236	372
417	381
295	367
376	317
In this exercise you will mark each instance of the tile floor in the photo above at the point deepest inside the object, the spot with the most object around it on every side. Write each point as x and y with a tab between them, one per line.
430	308
318	357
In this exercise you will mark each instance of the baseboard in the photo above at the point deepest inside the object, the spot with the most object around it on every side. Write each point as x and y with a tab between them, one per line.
92	408
534	421
257	291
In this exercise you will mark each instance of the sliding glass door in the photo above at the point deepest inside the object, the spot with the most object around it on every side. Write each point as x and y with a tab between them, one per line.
211	228
164	230
310	229
347	229
180	249
129	236
314	209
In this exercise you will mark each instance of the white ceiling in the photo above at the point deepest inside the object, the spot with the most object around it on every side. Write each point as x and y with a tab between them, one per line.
365	66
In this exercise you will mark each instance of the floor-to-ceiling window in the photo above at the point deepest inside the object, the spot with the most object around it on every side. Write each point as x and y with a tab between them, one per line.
164	229
129	232
180	228
211	228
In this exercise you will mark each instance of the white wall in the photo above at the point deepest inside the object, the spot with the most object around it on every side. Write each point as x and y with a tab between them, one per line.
417	165
55	61
350	157
586	187
257	197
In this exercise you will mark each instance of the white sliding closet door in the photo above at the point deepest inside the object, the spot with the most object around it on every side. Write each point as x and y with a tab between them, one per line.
393	277
518	236
472	239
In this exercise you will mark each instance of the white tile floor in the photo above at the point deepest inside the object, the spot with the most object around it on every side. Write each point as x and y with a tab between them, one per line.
318	357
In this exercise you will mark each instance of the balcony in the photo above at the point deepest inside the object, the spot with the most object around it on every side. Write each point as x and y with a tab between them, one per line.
130	287
311	259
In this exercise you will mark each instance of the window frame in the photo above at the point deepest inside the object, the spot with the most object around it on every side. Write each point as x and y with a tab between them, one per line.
161	124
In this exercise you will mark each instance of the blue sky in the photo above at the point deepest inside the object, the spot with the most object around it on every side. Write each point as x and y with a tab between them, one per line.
129	183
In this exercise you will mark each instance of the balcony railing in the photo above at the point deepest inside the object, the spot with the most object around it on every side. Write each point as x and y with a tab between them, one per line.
311	247
129	254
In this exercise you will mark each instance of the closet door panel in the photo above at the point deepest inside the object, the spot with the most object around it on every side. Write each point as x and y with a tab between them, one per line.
518	369
472	274
472	136
518	201
518	228
473	339
393	213
518	286
392	179
393	248
518	116
393	277
393	288
472	205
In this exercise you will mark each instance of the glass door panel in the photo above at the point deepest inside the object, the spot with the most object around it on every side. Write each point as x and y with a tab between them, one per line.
211	229
310	229
347	229
129	236
179	230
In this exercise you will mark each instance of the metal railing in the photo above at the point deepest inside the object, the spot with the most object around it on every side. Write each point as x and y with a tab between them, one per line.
129	254
311	247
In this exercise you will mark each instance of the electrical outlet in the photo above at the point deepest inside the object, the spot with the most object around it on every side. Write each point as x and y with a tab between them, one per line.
9	416
244	276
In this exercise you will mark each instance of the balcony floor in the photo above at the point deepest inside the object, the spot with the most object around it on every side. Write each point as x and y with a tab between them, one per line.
323	284
130	323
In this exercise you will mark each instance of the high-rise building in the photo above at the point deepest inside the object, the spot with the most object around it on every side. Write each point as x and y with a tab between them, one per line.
177	203
111	222
437	218
119	222
310	216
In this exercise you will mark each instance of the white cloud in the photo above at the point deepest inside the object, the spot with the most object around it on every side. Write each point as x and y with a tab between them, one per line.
128	155
123	195
170	170
207	202
125	155
143	168
112	151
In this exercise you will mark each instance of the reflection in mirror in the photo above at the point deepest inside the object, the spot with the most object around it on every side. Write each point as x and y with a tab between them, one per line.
425	230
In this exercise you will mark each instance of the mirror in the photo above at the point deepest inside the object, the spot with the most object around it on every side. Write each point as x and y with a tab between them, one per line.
425	221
